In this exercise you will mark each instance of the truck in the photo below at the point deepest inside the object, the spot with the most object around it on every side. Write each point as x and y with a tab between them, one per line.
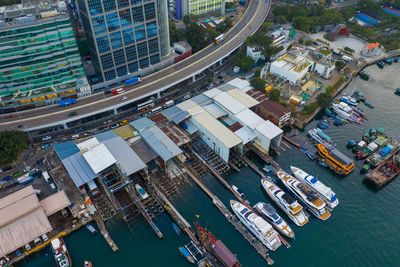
169	103
25	179
46	176
347	59
133	80
66	102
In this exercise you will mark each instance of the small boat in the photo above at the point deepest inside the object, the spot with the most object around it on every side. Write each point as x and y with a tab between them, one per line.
380	64
322	125
237	190
369	105
322	163
397	92
176	229
349	100
60	252
87	264
396	59
365	168
360	112
267	168
337	122
351	143
330	113
359	96
91	229
185	253
310	155
389	60
143	194
363	75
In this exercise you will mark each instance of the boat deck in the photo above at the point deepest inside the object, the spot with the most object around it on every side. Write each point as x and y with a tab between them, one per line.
380	178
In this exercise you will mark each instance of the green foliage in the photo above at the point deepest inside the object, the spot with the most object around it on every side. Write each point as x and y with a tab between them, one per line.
11	144
246	63
175	35
324	100
301	41
339	64
210	80
265	26
258	83
257	73
329	90
190	18
348	49
281	19
308	42
9	2
275	95
229	5
228	22
310	108
265	42
196	36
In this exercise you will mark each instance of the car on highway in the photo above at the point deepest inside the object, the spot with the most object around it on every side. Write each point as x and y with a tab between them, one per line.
72	113
124	98
8	116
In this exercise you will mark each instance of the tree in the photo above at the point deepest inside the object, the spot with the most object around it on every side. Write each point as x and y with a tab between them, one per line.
301	41
257	73
196	36
339	64
310	108
228	22
247	63
258	84
329	90
308	42
281	19
11	144
324	100
190	18
275	95
175	35
210	80
265	26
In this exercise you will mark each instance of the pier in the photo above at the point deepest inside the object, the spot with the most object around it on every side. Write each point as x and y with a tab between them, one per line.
105	233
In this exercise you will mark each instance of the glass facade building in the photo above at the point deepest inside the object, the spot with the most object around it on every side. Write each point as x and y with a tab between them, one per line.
125	36
39	58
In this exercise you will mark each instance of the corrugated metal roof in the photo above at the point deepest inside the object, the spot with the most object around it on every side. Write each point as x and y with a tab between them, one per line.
64	150
229	103
89	143
249	118
224	254
160	143
246	135
125	156
99	158
142	123
201	99
175	114
144	151
78	169
243	98
106	135
212	93
228	138
55	202
239	83
189	127
269	130
185	105
215	110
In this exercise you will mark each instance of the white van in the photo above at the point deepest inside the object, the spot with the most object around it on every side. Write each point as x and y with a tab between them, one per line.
169	103
53	186
46	176
76	136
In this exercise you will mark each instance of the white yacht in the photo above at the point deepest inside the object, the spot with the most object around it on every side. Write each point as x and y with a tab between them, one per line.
307	196
345	111
286	202
143	194
257	225
349	100
269	213
323	191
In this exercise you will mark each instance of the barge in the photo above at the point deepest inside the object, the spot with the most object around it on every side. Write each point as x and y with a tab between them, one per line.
385	172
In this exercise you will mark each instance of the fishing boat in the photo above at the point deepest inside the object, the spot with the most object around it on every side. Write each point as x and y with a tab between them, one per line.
360	112
345	111
369	105
267	168
385	172
397	92
389	60
185	253
322	163
60	252
326	193
91	229
286	202
257	225
143	194
310	155
337	122
322	125
349	100
269	213
238	191
365	168
378	157
380	64
351	144
87	264
359	96
336	160
216	247
363	75
176	229
330	113
307	196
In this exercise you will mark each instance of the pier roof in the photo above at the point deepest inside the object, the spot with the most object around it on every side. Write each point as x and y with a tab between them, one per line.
78	169
269	129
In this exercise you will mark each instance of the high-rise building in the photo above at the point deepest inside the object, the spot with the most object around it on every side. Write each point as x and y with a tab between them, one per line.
198	7
39	58
125	36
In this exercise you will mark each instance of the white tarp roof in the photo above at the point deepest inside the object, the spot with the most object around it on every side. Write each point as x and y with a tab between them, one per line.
185	105
99	158
269	130
229	103
212	92
86	145
249	118
243	98
239	83
246	135
215	110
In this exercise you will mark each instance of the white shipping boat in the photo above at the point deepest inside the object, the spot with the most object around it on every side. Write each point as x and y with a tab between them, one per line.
257	225
269	213
286	202
323	191
345	111
307	196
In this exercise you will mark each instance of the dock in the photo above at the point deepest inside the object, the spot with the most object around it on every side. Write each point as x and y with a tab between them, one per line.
105	233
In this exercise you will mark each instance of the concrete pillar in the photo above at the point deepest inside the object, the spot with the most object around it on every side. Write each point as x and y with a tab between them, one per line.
194	78
115	111
159	94
220	62
64	124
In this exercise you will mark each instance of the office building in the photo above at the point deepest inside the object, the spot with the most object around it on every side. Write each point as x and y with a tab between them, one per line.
198	7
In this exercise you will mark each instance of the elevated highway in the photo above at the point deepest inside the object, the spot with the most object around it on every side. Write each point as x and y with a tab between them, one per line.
155	83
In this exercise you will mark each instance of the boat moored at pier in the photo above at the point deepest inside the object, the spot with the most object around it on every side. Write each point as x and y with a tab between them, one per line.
60	252
336	160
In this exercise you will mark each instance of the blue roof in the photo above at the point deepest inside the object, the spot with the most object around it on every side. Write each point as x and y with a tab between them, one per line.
176	114
142	123
105	136
64	150
78	169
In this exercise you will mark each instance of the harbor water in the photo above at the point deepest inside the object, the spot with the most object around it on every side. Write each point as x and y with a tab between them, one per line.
362	231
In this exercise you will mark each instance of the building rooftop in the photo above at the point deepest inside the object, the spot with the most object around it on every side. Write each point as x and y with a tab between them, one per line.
142	123
274	108
243	98
269	130
229	103
99	158
78	169
55	202
249	118
215	111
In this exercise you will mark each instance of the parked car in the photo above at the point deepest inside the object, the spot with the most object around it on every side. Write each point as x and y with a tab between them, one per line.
124	98
37	241
44	237
114	126
72	113
7	116
29	156
47	137
27	247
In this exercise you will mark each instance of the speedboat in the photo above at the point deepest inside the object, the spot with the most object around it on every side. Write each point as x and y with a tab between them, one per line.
345	111
349	100
286	202
323	191
268	212
143	194
238	191
257	225
307	196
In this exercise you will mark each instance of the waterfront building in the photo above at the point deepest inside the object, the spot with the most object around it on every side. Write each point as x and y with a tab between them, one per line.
39	58
126	38
197	7
324	69
275	112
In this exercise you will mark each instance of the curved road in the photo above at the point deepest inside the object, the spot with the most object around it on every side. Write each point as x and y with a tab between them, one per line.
53	115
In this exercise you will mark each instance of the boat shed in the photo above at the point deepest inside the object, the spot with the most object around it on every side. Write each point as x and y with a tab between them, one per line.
229	103
142	123
243	98
55	202
99	158
215	111
268	133
78	169
65	150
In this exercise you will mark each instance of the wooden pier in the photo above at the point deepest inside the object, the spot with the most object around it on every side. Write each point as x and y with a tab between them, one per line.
105	233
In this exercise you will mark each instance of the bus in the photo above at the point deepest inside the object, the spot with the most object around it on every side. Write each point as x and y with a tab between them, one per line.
133	81
155	110
118	91
219	39
145	105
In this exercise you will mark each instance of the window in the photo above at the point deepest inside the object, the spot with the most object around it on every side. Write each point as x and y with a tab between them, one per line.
151	29
144	62
131	53
125	18
142	49
128	36
109	5
133	67
150	11
137	14
106	61
153	45
102	44
121	71
99	25
134	2
109	75
122	3
140	33
154	59
112	21
95	7
119	57
116	41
